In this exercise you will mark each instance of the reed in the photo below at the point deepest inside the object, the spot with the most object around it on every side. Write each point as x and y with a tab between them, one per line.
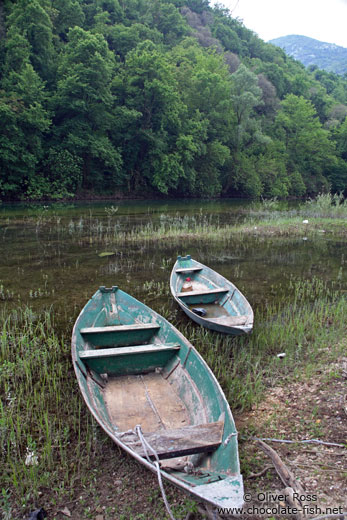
324	205
37	422
302	324
326	212
49	441
52	452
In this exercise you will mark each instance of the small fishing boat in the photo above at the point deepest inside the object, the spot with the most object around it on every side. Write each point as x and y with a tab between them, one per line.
154	395
210	299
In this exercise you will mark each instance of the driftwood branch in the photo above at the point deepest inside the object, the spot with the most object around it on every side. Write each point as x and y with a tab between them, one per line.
291	484
256	475
284	473
305	441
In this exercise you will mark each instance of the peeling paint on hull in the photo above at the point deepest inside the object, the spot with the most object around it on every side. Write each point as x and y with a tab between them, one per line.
181	394
227	309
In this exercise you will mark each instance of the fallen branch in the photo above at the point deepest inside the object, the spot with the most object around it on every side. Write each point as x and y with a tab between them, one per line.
256	475
315	441
287	477
284	473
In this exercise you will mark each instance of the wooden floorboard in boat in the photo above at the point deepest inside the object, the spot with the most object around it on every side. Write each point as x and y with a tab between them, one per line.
230	320
148	400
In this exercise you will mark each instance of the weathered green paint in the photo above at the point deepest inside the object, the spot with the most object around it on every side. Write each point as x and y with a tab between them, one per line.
230	301
114	338
131	360
190	377
192	299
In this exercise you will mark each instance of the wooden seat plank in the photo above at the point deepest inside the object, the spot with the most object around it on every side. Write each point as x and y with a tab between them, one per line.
188	269
126	351
199	438
138	359
217	290
119	328
120	335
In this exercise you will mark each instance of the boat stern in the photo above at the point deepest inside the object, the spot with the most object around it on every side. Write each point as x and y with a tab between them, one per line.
226	495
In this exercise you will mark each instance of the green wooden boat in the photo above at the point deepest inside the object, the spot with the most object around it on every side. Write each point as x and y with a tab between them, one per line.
134	368
212	300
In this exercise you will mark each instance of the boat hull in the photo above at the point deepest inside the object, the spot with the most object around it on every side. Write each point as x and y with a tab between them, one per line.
161	384
227	309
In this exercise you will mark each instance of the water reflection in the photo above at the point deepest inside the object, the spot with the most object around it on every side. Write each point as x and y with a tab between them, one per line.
50	254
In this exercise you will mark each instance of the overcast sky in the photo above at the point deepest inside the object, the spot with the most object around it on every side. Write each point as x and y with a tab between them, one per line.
324	20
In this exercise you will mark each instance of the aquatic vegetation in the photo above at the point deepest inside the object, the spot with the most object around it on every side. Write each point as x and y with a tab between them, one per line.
301	324
6	294
324	205
46	254
327	205
155	288
35	434
49	441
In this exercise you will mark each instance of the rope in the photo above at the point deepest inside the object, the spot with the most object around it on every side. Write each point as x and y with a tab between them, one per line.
146	446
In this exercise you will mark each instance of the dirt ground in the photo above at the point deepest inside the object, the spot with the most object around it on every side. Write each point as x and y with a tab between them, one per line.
311	409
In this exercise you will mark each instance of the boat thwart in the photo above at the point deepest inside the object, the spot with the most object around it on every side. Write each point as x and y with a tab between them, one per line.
146	385
211	300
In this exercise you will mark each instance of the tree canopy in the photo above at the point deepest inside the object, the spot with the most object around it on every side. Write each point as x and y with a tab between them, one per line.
165	98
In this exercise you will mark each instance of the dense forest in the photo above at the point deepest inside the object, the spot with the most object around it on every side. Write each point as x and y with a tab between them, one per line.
160	98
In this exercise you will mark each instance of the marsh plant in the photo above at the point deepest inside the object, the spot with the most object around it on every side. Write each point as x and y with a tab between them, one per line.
327	205
156	288
38	425
301	325
48	440
324	205
6	294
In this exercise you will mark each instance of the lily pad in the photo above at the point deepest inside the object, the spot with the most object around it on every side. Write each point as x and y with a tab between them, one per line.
107	253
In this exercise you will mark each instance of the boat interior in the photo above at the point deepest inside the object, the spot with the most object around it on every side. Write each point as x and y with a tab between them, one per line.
207	299
142	381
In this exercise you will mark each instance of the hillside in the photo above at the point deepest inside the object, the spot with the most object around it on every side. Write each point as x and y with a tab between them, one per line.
326	56
160	98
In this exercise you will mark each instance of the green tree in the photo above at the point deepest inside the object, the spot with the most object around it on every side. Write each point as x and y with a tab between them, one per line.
29	19
68	14
241	173
148	91
309	149
83	108
122	38
24	122
205	88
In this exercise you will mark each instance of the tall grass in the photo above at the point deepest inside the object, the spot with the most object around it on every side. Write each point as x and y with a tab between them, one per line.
327	205
40	409
303	324
324	205
49	441
114	230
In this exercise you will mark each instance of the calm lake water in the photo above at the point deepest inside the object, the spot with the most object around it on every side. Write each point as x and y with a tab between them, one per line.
50	254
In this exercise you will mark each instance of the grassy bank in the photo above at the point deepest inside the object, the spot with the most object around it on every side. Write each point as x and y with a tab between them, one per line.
325	214
54	455
301	326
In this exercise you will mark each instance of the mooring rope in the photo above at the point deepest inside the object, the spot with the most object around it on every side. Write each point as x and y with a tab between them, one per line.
147	447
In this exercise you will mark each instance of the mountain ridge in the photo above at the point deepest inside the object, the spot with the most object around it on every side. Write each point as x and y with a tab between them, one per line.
309	51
